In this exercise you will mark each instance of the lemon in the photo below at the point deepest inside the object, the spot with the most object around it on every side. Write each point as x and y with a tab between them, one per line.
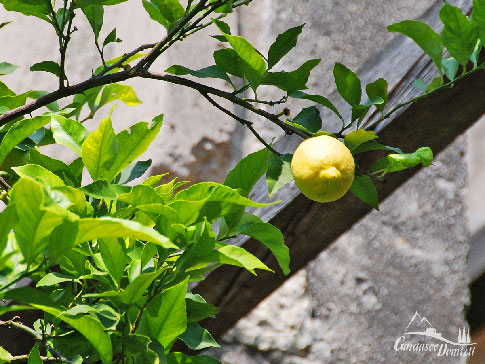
323	168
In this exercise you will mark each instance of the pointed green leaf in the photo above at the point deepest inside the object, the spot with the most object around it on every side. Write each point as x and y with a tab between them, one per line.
116	91
459	34
355	138
398	162
198	309
424	36
7	68
47	66
18	132
279	172
318	99
198	338
5	356
309	118
34	355
94	14
235	255
133	171
53	278
8	218
100	150
378	89
111	38
113	257
348	84
478	16
141	195
165	316
207	72
104	189
40	174
283	44
108	227
166	12
373	145
363	188
39	9
228	61
90	327
294	80
68	132
134	142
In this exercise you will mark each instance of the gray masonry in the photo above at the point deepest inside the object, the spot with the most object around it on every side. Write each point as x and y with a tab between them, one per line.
356	299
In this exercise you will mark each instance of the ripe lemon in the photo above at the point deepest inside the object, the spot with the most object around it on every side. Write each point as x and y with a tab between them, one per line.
323	168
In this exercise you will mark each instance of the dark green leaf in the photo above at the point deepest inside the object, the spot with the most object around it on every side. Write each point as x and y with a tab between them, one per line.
85	3
208	72
7	68
39	8
104	189
348	84
478	15
4	24
309	118
94	14
165	317
34	355
279	172
198	338
318	99
90	327
198	309
450	67
227	8
283	44
111	38
133	171
228	61
292	81
363	188
373	145
166	12
47	66
424	36
459	34
378	89
62	239
355	138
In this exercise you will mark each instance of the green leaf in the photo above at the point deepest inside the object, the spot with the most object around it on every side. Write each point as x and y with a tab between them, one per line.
18	132
40	174
309	118
109	227
47	66
165	317
85	3
223	26
378	89
94	14
141	195
363	188
8	218
283	44
248	171
104	189
373	145
273	239
52	279
68	132
62	239
133	143
100	151
228	61
226	8
133	171
235	255
34	355
39	9
116	91
113	257
292	81
279	172
355	138
348	84
111	38
198	309
181	358
424	36
252	63
398	162
166	12
90	327
7	68
138	287
420	84
318	99
208	72
5	356
459	34
450	67
478	16
56	166
35	222
198	338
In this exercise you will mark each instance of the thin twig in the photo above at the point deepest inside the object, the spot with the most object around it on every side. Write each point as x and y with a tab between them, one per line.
244	122
4	184
25	358
20	326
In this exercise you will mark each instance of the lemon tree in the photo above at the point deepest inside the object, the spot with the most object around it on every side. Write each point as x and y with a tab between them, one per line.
112	261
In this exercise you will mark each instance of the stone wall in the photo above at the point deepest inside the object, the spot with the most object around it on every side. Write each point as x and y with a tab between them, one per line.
355	299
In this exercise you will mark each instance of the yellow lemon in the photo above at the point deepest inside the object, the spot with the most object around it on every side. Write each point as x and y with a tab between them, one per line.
323	168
